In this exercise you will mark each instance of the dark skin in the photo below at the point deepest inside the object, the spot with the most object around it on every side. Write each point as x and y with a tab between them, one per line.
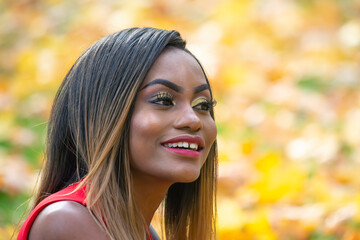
66	220
181	111
154	168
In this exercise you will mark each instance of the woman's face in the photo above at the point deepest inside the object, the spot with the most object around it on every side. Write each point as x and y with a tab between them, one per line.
171	130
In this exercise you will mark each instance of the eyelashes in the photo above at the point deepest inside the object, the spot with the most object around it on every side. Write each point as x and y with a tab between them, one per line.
163	98
167	100
203	104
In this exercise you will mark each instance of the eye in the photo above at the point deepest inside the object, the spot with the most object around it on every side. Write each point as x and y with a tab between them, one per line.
203	104
163	98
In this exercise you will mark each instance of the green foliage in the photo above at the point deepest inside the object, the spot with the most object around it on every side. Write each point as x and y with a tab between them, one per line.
12	207
312	83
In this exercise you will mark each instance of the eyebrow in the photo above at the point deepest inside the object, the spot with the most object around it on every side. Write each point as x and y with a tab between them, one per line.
174	86
201	88
166	83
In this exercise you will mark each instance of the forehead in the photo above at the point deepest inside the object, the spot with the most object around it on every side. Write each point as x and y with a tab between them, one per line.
178	66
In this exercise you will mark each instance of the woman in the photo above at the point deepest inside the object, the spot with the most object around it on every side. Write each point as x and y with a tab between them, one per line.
132	125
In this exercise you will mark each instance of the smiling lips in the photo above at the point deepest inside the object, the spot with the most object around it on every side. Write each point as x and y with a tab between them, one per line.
189	146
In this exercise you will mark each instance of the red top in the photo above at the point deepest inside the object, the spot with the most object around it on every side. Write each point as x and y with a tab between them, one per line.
67	194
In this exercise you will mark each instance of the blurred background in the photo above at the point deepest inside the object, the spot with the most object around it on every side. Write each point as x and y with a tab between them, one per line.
285	73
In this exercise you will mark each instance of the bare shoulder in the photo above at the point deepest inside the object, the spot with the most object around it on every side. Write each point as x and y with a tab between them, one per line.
65	220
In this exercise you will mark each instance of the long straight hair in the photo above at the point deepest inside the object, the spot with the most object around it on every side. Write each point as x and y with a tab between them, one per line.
88	138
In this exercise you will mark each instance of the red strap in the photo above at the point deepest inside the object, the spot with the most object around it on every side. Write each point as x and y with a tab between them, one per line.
66	194
150	238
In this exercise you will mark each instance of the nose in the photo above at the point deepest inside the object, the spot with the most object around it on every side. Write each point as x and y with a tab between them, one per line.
188	119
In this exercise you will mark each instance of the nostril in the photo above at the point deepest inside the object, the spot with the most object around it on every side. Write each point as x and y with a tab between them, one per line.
189	120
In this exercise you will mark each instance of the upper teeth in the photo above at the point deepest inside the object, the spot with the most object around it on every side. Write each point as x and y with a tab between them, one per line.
192	146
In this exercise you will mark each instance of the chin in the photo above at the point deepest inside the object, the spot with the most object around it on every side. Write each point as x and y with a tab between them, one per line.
188	176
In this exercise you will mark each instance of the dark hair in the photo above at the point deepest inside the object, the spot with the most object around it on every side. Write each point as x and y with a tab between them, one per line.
90	118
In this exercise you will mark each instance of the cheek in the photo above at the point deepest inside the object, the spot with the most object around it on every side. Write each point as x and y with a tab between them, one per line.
144	128
211	131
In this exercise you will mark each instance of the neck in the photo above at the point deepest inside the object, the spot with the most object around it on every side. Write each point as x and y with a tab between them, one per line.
148	194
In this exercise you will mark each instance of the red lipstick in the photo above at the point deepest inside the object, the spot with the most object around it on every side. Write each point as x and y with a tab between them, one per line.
187	145
186	138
